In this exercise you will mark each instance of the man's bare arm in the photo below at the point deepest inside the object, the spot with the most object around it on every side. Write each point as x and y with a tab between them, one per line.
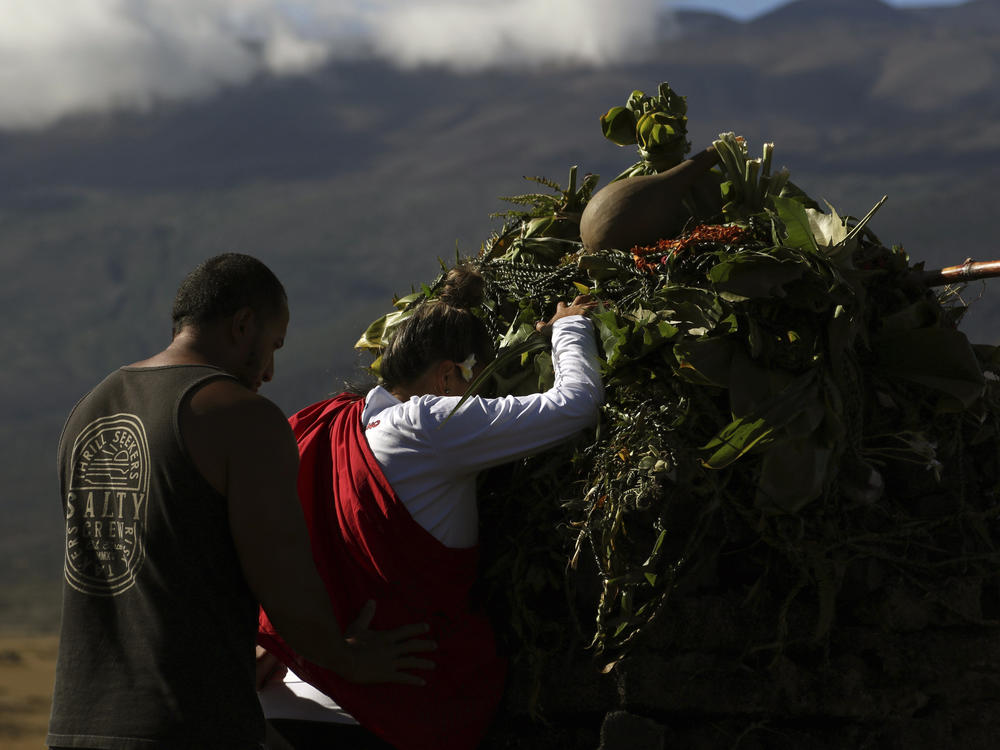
251	450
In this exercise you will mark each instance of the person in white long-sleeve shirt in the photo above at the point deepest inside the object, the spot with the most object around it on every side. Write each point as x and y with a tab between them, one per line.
430	456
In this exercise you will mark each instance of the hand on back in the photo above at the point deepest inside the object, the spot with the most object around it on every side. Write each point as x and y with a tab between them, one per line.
379	656
243	445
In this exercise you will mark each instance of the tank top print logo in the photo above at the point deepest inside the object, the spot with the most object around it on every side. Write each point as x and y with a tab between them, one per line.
106	505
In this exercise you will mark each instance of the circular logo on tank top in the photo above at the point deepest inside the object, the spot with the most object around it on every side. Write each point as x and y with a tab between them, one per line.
106	505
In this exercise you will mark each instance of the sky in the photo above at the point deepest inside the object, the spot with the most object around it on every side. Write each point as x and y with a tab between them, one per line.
745	9
62	57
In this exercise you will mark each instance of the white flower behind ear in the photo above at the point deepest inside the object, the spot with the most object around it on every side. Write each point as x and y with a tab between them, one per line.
466	366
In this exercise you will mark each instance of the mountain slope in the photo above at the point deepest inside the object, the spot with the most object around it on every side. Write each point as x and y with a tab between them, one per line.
352	181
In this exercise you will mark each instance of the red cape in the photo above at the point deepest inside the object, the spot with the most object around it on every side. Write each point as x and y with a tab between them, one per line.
367	546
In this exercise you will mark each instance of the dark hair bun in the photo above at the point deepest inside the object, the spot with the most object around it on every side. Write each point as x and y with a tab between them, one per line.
463	288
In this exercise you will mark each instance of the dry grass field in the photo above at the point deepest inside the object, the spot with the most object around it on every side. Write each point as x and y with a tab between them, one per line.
27	667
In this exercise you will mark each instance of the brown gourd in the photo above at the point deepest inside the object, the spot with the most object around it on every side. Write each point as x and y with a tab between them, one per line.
641	210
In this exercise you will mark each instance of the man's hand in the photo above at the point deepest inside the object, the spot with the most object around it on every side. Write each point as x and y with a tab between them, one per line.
581	305
242	444
382	655
268	669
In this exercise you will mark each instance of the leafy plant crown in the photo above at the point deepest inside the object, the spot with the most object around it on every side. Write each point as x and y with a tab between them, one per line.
779	385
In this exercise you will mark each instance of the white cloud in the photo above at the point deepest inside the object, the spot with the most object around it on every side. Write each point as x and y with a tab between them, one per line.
482	34
63	56
59	57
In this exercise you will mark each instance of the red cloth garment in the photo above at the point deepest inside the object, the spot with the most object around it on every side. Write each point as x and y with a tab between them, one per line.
367	546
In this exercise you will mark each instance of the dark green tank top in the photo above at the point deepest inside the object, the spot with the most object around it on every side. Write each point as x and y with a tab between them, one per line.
158	623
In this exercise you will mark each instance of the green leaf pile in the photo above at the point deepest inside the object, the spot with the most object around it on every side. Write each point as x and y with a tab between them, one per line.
779	407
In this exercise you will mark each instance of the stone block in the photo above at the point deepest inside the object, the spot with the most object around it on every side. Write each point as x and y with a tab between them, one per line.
627	731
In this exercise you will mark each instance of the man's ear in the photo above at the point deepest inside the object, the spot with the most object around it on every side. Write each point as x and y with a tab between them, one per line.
244	324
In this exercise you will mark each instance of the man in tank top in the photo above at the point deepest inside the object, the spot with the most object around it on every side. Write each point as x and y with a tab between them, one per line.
178	484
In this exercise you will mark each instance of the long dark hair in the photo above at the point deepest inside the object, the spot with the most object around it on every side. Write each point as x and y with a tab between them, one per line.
439	329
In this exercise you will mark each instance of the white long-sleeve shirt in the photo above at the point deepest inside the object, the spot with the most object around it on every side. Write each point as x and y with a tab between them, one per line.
431	462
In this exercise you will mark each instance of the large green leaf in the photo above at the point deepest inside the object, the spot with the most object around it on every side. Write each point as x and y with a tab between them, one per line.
613	336
546	376
828	229
755	276
938	358
793	473
636	100
618	126
736	439
706	361
694	311
403	302
654	332
752	385
796	405
377	335
517	334
798	232
655	336
842	333
835	237
670	101
920	314
655	129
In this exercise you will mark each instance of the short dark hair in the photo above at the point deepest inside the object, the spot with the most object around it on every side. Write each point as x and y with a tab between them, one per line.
220	286
439	329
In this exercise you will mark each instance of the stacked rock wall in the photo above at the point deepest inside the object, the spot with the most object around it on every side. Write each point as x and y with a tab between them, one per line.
905	666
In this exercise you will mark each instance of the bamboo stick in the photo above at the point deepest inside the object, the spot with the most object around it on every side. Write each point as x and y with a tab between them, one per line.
968	271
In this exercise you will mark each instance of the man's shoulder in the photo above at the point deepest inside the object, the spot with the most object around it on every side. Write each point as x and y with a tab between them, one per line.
228	406
220	392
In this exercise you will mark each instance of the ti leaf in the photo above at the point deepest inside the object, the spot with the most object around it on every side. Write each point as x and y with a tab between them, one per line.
793	473
735	440
613	336
377	335
937	358
798	231
706	361
755	276
762	425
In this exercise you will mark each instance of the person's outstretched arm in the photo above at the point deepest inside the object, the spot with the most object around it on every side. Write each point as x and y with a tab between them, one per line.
488	432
